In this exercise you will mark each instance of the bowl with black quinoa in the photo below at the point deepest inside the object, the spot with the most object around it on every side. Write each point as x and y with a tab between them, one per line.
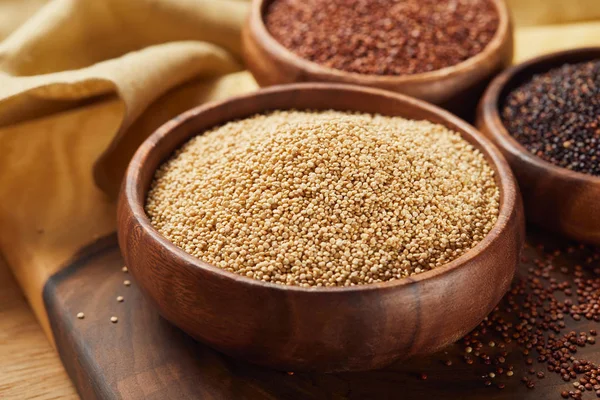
544	115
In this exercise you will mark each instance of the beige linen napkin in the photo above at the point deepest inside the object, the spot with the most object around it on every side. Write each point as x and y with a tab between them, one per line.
83	82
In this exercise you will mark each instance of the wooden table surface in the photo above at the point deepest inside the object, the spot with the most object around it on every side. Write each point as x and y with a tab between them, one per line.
29	366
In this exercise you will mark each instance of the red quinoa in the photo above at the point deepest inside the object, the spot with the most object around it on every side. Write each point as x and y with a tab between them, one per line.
383	37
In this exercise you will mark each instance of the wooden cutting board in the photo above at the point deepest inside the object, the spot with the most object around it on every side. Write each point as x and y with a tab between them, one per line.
144	357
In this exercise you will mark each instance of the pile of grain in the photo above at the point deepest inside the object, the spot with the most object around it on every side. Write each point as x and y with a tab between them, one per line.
556	116
325	198
384	37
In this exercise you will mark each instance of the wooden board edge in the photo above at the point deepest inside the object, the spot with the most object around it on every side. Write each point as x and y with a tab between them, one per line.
71	349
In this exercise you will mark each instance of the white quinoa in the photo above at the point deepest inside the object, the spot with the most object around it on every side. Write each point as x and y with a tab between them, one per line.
325	198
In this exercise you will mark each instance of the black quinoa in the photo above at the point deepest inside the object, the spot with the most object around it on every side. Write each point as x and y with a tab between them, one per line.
556	116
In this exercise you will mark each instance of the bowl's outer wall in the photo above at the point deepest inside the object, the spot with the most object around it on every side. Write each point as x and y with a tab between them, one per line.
554	198
294	329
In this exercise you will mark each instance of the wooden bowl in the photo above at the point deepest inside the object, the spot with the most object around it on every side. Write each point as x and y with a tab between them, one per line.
556	198
456	88
326	329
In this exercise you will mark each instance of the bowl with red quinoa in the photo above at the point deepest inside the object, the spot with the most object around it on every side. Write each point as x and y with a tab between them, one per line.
444	52
544	115
320	226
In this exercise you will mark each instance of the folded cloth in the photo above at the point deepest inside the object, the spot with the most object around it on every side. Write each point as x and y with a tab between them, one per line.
82	83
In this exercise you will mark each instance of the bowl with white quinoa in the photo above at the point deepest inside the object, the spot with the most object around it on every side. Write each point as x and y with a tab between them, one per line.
321	227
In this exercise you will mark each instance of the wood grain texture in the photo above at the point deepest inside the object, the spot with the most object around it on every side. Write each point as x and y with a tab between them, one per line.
145	357
555	198
456	88
29	366
325	329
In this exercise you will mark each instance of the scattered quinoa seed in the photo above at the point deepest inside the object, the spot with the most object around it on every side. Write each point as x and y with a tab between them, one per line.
120	299
114	319
127	282
80	315
532	316
124	269
540	375
530	384
325	198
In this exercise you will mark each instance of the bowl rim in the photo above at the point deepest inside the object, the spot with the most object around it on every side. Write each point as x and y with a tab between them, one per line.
256	23
135	200
490	112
